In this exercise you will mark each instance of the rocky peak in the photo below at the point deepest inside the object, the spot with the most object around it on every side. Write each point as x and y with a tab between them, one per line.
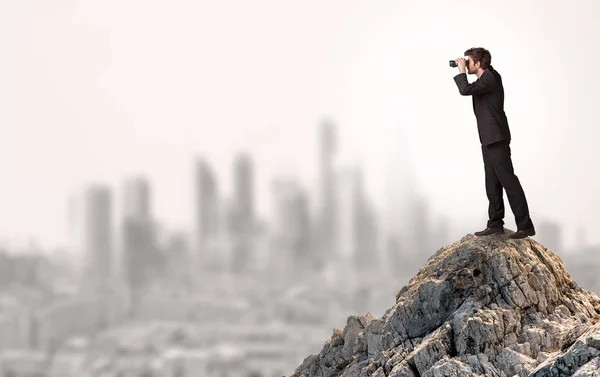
482	306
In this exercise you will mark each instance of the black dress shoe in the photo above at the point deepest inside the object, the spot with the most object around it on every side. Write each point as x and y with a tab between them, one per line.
488	231
522	233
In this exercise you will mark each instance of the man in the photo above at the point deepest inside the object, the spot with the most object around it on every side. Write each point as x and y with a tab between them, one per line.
488	104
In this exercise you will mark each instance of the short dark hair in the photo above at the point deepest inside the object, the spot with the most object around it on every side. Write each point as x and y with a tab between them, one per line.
481	55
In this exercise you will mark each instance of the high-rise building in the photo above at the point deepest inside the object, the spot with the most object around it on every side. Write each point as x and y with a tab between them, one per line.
178	256
326	201
75	233
369	253
244	189
549	234
291	227
356	234
136	198
243	220
140	259
206	207
348	208
97	234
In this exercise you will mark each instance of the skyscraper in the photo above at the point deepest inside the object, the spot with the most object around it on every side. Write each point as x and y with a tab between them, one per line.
549	235
244	189
75	233
97	234
356	234
369	254
136	198
243	221
206	208
291	227
326	215
140	257
348	206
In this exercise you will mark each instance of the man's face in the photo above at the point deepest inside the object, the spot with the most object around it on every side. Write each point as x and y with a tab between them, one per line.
471	66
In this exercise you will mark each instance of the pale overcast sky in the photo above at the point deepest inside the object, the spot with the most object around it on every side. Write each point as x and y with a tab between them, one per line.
98	90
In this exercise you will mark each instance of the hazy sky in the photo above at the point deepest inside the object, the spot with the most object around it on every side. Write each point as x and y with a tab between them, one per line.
98	90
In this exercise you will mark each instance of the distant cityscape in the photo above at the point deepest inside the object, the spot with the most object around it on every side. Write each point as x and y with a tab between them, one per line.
239	295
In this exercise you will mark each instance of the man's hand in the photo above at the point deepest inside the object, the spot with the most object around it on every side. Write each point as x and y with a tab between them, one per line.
462	64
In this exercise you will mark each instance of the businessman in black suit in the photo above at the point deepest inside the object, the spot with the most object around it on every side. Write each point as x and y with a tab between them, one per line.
488	104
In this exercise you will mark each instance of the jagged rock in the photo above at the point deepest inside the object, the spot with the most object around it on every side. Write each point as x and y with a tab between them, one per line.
591	369
482	306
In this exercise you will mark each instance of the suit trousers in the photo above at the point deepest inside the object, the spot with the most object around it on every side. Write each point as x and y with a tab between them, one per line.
499	175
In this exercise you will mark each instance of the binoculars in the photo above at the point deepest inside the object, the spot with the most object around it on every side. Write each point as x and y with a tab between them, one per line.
453	63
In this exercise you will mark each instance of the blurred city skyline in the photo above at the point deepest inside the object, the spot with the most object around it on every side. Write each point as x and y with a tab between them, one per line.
405	196
104	91
409	216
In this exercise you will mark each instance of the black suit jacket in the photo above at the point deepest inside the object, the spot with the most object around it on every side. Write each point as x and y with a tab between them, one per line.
488	104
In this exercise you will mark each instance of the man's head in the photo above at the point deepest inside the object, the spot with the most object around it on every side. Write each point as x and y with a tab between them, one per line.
479	60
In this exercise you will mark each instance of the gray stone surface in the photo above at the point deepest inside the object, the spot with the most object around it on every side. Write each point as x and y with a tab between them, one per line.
482	306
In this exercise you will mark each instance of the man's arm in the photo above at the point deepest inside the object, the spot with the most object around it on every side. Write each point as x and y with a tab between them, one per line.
485	84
